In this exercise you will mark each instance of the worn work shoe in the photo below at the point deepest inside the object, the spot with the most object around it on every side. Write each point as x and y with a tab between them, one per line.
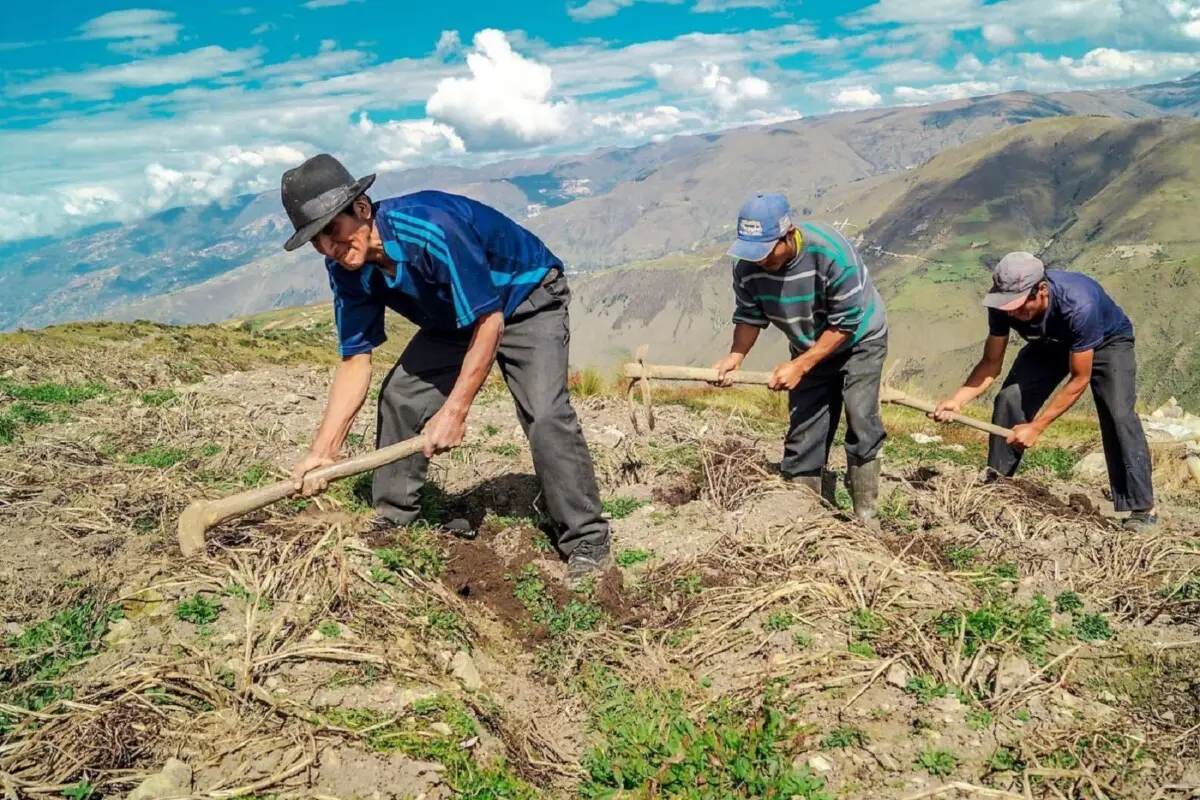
863	483
587	561
1140	521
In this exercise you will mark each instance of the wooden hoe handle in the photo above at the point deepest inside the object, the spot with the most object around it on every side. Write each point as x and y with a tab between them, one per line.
901	399
201	515
642	371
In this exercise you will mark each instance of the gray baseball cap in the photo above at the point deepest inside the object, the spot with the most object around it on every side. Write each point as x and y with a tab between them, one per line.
1013	279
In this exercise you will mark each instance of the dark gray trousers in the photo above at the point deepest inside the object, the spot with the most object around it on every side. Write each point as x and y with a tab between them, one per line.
1038	370
533	360
851	380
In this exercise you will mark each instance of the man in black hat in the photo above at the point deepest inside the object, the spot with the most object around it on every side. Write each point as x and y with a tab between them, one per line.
1074	330
481	289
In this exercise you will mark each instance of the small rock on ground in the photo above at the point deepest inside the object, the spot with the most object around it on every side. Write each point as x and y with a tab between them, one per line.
463	668
175	780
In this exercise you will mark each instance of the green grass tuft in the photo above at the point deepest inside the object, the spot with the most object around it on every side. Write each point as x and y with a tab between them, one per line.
842	737
1067	602
158	457
159	399
199	609
926	688
622	507
938	763
1092	628
734	750
416	549
627	558
779	621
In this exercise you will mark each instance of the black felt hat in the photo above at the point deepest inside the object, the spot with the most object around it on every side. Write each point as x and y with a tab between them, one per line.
313	194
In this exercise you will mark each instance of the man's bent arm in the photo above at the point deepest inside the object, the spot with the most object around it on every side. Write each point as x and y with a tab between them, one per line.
1081	376
351	382
744	337
828	343
481	354
985	372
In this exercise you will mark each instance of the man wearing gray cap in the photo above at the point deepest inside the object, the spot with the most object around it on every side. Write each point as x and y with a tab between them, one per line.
1074	330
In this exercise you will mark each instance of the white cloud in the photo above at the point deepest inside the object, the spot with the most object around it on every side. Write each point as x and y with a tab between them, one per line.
83	201
448	44
327	45
266	27
328	3
134	30
177	69
1105	64
946	91
506	103
400	144
639	124
706	79
857	97
999	35
597	9
721	6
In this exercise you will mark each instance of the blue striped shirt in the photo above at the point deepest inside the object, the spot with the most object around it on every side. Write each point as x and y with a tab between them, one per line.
825	285
457	260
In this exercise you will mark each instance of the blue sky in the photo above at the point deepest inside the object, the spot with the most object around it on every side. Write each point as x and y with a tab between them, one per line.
112	111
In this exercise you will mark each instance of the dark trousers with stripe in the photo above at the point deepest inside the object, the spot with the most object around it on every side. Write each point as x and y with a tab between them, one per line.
533	360
1038	370
848	380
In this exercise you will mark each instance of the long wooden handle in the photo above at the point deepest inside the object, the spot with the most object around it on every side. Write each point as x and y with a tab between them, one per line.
900	399
203	514
668	373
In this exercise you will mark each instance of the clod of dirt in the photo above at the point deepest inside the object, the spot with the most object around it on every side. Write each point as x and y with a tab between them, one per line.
175	780
677	493
476	573
613	598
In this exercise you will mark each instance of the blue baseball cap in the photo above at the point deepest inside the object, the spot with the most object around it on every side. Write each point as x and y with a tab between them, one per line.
762	221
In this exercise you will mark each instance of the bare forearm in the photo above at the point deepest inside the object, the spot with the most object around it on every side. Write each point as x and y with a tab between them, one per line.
1066	397
351	382
978	382
744	337
481	354
828	343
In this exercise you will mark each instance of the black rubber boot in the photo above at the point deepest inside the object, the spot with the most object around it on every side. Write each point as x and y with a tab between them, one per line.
829	487
863	483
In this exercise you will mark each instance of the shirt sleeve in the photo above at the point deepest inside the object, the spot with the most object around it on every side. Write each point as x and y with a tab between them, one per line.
1087	331
357	314
746	310
844	295
453	255
998	323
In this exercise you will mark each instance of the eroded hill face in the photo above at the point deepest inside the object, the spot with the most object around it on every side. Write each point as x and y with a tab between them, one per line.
749	644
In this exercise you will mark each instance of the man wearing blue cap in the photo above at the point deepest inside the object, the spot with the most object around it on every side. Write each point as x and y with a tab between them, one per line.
1074	330
809	282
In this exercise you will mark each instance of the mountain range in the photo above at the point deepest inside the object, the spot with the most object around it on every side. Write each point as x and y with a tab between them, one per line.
606	208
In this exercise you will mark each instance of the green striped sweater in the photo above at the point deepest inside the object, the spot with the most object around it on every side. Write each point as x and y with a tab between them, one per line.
826	284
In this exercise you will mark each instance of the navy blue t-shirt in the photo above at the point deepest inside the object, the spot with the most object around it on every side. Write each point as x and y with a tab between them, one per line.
1081	315
457	260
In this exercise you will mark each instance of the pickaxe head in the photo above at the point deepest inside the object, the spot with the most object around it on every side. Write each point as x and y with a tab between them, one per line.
643	383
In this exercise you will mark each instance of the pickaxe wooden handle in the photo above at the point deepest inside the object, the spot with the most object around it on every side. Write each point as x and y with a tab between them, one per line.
201	515
894	397
640	373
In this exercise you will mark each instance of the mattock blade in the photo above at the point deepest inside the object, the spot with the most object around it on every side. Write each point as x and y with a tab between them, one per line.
642	383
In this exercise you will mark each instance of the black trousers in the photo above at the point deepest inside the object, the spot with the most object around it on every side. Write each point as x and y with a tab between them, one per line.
1039	368
847	380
